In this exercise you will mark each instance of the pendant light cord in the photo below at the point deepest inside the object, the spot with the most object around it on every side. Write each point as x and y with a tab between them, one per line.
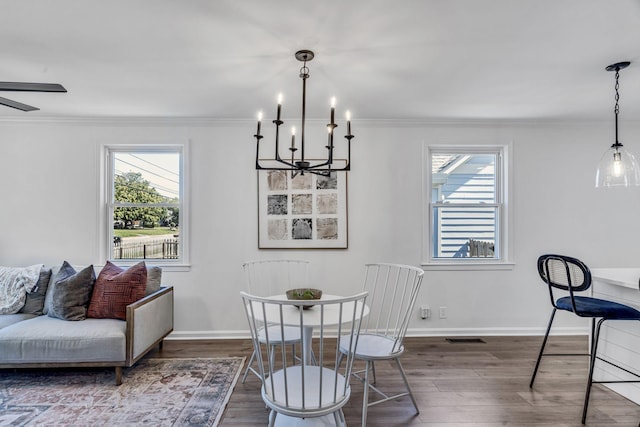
616	109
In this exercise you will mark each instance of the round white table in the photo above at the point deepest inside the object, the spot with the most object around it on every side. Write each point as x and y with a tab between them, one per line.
312	317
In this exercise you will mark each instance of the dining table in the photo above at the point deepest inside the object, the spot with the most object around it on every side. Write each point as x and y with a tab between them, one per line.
312	317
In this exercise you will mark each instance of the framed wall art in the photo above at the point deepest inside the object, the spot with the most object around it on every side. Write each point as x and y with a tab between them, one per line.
303	212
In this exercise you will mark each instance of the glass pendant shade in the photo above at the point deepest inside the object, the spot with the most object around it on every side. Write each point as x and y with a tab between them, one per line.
617	168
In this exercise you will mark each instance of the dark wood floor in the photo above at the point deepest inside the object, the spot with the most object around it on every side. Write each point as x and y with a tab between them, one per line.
468	384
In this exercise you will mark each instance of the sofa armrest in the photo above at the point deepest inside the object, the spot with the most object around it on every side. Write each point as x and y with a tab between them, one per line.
149	320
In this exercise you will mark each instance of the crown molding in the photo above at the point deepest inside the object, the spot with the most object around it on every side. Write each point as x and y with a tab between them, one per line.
243	122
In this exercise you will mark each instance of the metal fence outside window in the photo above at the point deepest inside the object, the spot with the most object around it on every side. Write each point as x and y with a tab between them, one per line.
153	249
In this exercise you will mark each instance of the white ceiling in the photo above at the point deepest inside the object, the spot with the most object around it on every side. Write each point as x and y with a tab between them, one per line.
382	59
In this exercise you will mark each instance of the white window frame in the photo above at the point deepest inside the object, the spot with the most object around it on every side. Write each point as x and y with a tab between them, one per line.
504	228
107	200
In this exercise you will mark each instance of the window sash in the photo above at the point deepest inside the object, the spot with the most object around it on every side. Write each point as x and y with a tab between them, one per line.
456	244
112	205
433	204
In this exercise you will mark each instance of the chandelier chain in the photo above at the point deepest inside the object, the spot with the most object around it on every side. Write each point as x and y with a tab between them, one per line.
304	71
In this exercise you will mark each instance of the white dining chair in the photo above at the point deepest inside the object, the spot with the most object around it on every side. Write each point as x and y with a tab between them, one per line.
392	289
315	392
271	277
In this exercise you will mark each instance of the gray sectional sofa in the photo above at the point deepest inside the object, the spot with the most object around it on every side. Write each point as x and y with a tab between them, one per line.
33	339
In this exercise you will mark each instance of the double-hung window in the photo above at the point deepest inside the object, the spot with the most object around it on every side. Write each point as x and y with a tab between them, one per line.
146	209
467	210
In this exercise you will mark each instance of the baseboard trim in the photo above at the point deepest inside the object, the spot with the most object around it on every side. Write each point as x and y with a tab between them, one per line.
486	332
208	335
417	332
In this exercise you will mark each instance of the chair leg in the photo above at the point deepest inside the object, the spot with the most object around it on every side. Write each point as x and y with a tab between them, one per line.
373	369
365	395
246	371
406	383
272	354
338	418
272	418
594	349
544	343
293	354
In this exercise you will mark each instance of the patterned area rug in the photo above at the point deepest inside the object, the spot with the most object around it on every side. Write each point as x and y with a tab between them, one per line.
154	392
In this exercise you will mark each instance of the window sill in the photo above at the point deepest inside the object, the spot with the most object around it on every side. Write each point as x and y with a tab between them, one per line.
468	266
163	266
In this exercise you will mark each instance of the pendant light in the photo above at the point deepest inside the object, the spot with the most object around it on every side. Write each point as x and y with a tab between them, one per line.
617	167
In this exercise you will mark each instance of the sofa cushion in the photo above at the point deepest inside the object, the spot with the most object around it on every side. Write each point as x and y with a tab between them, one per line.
115	289
44	339
35	299
71	292
10	319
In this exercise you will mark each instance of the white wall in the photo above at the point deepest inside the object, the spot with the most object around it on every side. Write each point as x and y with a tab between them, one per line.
49	178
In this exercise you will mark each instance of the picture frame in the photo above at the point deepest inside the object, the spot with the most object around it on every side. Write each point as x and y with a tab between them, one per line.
306	211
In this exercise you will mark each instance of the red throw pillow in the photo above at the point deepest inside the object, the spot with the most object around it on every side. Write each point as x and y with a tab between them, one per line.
116	288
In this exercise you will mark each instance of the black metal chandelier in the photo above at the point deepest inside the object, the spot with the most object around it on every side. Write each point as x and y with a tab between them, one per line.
617	167
297	162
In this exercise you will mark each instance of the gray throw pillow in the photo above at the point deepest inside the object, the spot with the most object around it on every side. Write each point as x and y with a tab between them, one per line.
154	279
35	299
71	292
47	298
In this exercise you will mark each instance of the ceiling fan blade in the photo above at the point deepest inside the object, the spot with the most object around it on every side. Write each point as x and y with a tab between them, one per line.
17	105
31	87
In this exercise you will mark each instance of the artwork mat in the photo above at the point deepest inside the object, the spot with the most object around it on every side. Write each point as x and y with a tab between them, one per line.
339	218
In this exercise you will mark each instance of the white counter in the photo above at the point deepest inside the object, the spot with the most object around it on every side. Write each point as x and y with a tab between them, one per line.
625	277
619	339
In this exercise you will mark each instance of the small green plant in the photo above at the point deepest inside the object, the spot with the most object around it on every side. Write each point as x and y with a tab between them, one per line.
304	294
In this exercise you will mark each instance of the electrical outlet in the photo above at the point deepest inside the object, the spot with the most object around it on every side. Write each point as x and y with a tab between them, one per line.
443	312
425	312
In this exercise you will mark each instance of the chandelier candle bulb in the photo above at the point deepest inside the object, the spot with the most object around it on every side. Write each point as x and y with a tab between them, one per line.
333	109
348	114
279	106
259	120
293	137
